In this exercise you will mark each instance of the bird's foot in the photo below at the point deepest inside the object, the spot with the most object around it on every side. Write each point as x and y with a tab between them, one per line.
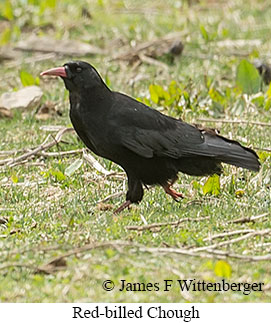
123	206
170	191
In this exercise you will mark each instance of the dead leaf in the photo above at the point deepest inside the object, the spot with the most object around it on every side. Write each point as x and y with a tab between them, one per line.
53	266
47	110
58	262
104	206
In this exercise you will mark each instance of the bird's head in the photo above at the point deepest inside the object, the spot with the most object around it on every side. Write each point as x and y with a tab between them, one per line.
77	75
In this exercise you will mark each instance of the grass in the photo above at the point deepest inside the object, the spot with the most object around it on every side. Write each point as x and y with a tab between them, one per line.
47	214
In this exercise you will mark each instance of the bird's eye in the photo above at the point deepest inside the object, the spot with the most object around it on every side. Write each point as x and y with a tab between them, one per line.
78	69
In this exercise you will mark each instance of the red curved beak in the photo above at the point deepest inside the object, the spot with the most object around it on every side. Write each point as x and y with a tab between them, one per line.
57	71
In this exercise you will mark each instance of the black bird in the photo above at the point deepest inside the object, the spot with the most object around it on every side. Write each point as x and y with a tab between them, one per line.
150	146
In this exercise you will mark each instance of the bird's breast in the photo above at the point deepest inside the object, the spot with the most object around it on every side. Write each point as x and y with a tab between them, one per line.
91	132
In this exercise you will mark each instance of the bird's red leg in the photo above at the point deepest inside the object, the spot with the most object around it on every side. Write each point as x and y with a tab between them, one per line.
122	207
175	195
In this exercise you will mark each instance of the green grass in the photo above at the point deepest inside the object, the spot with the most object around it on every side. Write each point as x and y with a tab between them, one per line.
47	216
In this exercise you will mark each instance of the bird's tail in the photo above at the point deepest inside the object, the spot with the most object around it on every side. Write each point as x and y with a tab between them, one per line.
231	152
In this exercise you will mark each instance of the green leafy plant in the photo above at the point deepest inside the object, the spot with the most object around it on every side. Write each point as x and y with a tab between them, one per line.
170	96
56	174
223	269
248	78
6	10
212	186
204	33
5	36
28	79
157	93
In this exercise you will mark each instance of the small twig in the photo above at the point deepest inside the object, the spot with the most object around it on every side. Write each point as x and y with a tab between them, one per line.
256	123
46	269
60	153
249	219
5	161
224	254
152	61
95	164
36	164
112	196
28	163
32	59
227	234
8	152
210	254
23	162
12	265
51	128
143	219
162	224
88	247
266	244
24	184
32	249
230	242
117	175
41	147
121	244
263	149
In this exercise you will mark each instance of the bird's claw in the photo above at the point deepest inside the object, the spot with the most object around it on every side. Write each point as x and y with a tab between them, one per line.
123	206
175	195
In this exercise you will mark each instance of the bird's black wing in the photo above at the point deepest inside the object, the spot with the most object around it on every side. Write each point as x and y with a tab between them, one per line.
149	133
